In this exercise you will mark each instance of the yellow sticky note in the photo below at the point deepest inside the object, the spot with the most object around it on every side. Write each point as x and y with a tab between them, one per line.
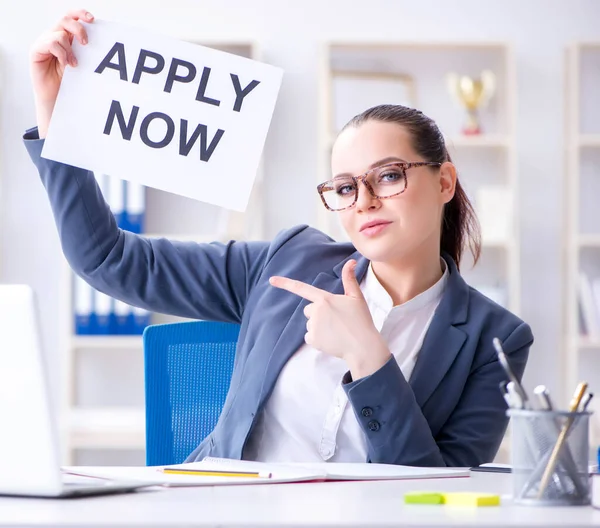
423	497
471	499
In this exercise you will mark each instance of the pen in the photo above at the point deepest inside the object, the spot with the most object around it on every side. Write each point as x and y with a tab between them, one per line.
509	372
543	397
586	401
512	399
505	394
577	396
514	395
216	473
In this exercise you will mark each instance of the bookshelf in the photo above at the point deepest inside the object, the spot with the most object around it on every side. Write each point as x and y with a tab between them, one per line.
486	162
102	417
581	255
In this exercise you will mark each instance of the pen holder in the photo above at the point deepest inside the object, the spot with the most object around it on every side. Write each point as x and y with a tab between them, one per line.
549	451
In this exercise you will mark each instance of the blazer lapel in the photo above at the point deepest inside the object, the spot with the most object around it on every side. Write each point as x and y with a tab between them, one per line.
443	340
292	336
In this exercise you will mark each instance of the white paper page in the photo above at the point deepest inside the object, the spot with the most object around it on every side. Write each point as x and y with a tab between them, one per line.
341	470
364	471
172	142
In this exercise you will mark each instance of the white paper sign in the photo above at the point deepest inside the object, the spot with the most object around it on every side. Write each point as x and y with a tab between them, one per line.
165	113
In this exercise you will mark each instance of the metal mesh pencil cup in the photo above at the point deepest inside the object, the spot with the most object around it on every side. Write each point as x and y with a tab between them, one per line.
549	451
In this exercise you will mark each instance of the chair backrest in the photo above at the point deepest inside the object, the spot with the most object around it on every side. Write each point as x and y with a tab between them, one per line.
188	370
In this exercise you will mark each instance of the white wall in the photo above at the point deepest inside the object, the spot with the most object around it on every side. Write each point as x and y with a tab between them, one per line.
290	33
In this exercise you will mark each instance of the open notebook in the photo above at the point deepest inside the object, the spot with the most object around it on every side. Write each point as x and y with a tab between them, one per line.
272	473
340	470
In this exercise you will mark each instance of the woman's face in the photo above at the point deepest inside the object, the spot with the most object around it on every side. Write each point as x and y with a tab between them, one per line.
402	225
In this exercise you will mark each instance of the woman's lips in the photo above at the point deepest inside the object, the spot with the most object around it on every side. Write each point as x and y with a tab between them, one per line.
373	229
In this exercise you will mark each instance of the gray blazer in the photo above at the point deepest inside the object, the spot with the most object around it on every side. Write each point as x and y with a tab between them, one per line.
449	413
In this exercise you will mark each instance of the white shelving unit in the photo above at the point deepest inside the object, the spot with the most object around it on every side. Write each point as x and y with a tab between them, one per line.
581	348
102	400
488	159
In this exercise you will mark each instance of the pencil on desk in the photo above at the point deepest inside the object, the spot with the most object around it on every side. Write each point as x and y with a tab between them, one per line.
215	473
579	392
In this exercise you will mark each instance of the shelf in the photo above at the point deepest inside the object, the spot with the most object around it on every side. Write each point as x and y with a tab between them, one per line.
482	140
588	342
103	342
589	241
382	45
589	44
108	428
589	140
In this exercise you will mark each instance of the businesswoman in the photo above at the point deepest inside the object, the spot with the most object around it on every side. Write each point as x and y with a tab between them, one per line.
375	350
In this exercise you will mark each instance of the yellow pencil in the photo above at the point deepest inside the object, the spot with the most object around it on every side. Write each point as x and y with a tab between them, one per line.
215	473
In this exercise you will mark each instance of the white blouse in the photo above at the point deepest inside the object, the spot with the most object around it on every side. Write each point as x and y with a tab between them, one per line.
307	417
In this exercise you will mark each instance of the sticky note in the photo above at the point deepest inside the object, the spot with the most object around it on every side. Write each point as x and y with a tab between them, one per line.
471	499
423	497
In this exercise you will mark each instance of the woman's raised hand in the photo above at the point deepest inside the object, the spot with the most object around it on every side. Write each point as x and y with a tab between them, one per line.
50	55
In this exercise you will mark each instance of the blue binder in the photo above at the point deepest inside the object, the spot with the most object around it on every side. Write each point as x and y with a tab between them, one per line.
116	200
135	206
141	319
83	297
102	180
123	318
103	313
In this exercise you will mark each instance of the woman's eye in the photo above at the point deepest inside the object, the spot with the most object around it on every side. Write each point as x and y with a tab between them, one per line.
344	189
390	177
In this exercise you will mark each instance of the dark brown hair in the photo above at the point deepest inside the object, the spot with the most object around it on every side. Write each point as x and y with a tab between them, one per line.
460	227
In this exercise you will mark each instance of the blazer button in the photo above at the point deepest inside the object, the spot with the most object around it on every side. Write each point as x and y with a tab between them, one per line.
366	412
374	425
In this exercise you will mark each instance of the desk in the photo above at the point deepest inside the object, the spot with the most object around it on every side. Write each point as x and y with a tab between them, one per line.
368	504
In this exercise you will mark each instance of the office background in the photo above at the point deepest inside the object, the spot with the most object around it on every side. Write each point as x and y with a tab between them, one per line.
291	35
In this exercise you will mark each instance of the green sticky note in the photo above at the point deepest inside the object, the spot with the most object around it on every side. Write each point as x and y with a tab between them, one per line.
423	497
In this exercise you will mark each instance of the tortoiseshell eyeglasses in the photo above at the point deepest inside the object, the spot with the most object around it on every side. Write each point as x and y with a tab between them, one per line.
382	182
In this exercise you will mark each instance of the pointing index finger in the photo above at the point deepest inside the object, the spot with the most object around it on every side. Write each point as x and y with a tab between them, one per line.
306	291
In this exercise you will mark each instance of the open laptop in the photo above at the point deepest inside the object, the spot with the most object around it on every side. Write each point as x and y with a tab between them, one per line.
29	447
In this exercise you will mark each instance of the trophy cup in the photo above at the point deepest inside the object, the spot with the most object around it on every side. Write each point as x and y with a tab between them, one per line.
472	93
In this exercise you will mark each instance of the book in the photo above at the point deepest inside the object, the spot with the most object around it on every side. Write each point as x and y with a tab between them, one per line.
155	475
278	472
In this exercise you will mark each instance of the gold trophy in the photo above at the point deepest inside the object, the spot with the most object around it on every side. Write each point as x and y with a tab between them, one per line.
472	93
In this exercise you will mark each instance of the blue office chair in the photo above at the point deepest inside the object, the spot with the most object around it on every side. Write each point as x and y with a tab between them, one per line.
188	369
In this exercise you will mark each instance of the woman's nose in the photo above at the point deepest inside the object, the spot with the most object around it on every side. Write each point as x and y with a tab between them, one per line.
365	200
